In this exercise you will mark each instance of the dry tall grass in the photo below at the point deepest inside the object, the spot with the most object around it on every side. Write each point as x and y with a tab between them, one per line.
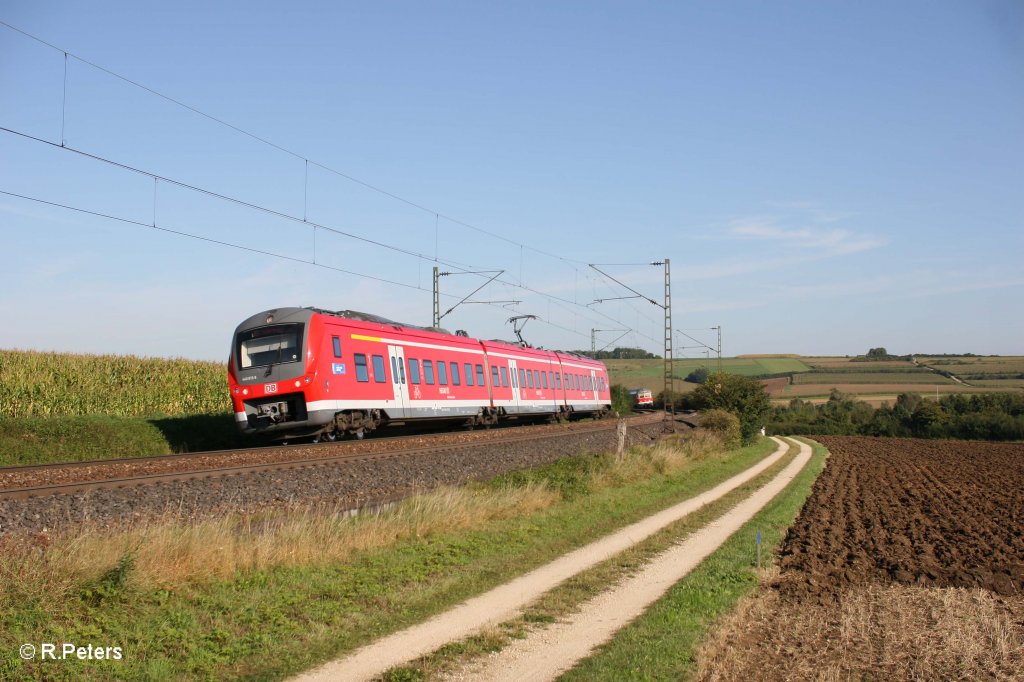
875	632
171	551
668	456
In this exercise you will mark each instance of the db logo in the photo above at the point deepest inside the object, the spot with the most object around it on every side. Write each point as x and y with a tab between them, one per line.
270	388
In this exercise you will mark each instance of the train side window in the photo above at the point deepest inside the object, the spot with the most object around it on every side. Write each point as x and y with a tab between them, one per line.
442	373
529	379
401	372
514	384
469	374
361	373
337	346
456	379
380	374
480	375
414	371
394	370
536	378
522	378
428	372
494	376
558	380
544	376
504	377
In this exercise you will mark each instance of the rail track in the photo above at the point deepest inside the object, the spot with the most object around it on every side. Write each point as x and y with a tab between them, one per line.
36	481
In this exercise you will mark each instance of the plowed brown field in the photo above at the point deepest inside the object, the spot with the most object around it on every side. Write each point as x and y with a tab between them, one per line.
926	512
906	563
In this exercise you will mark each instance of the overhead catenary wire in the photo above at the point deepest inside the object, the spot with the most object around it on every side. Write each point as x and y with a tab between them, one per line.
283	149
272	254
276	213
280	214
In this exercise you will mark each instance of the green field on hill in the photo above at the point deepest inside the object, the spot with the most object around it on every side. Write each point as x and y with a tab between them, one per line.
650	373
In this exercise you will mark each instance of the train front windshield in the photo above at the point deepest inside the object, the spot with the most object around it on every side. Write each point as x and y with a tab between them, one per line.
270	345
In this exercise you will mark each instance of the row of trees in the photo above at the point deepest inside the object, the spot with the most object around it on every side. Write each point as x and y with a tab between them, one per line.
619	354
992	416
987	416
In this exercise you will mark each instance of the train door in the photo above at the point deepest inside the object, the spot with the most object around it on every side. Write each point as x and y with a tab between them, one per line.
515	382
398	380
593	383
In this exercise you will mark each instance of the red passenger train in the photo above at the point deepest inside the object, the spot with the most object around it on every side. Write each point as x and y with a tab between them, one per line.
300	372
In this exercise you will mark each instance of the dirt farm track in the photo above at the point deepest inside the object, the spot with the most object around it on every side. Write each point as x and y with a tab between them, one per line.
905	563
927	512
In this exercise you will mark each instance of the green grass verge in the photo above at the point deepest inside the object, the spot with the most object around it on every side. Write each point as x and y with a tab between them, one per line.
271	623
42	440
661	644
567	597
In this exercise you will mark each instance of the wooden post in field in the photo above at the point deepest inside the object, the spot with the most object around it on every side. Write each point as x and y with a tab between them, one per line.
621	431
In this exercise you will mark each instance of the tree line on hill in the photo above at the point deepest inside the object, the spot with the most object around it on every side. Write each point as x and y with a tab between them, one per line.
985	416
618	354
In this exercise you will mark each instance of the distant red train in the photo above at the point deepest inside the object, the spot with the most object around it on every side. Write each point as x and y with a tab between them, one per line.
305	372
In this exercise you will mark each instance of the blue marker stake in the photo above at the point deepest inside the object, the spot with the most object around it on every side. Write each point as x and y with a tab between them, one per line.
759	549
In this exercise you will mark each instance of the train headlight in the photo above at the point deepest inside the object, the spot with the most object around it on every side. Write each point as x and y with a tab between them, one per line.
308	379
236	390
245	391
298	384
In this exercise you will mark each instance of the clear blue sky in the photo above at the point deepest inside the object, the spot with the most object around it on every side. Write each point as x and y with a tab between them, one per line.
826	177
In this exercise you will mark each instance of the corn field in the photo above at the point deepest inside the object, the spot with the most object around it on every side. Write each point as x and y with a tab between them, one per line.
57	384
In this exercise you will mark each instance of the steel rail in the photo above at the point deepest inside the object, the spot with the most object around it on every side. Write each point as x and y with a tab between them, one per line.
222	472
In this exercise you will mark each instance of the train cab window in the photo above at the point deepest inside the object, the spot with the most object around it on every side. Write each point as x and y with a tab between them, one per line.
504	377
529	379
558	380
456	380
380	374
428	372
336	342
469	374
544	376
494	377
442	373
480	375
522	378
414	371
394	370
361	373
269	346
